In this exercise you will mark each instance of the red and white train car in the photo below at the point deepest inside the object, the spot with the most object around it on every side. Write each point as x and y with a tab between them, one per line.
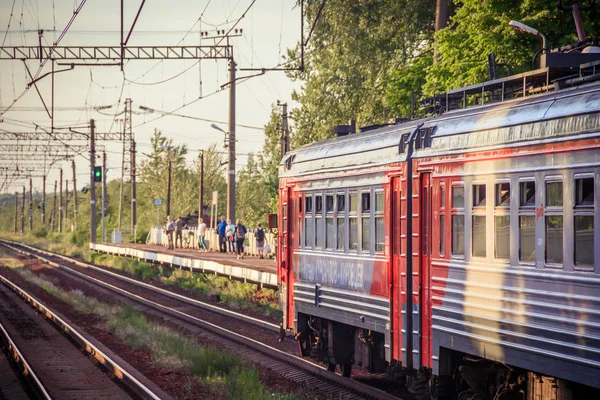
462	250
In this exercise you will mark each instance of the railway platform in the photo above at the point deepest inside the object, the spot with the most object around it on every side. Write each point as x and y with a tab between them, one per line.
250	269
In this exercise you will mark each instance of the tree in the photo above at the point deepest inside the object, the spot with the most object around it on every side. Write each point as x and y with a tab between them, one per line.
252	195
481	26
153	181
353	50
270	157
214	179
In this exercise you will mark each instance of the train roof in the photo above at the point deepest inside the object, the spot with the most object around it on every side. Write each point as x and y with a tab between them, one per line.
509	123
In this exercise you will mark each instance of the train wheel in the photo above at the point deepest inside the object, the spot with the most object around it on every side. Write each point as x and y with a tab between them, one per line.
346	369
331	367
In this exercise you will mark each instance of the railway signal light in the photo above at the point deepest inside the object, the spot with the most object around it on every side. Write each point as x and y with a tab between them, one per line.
97	174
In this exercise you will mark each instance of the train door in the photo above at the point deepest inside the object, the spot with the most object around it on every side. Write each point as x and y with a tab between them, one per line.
425	269
397	287
285	264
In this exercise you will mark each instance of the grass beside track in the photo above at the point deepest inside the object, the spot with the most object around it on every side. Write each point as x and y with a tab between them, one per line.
238	295
221	371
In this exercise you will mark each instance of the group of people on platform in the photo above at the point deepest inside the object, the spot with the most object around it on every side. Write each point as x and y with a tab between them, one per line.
231	236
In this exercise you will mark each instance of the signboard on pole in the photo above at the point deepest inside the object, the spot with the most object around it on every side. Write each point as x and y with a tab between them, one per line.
157	202
215	196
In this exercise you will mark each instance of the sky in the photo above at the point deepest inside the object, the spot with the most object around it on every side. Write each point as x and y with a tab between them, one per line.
269	27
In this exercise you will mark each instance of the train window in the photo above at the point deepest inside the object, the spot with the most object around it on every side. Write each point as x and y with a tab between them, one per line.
341	222
478	196
366	222
442	197
366	202
308	204
329	233
308	225
584	221
527	221
527	238
554	194
318	204
503	194
553	222
584	192
341	203
502	220
366	234
584	240
458	197
318	232
442	219
554	239
341	233
329	203
300	219
379	201
353	233
353	221
479	236
329	229
458	235
379	228
527	194
353	202
502	236
458	221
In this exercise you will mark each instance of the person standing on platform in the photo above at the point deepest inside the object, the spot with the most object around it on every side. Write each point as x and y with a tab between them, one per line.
201	235
240	236
259	234
229	231
169	227
221	231
179	232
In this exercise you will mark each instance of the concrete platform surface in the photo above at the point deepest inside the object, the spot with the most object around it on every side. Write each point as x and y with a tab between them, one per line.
249	269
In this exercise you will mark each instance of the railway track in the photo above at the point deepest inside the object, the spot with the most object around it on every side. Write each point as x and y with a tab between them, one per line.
17	379
185	311
58	361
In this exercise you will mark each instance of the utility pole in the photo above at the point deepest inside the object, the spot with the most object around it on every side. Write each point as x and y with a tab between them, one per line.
133	189
103	195
44	200
169	186
201	194
74	195
30	204
54	207
92	184
231	161
122	174
23	213
67	203
16	210
60	202
285	133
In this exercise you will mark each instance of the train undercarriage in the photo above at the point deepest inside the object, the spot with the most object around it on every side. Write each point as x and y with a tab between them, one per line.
342	347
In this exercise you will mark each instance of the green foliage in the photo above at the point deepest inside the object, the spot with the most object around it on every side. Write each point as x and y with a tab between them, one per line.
353	51
479	27
40	232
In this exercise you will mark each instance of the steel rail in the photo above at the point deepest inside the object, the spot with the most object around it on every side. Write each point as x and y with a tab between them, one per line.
188	300
25	369
261	348
118	371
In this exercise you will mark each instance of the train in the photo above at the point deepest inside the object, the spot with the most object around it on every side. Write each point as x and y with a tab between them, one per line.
460	252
